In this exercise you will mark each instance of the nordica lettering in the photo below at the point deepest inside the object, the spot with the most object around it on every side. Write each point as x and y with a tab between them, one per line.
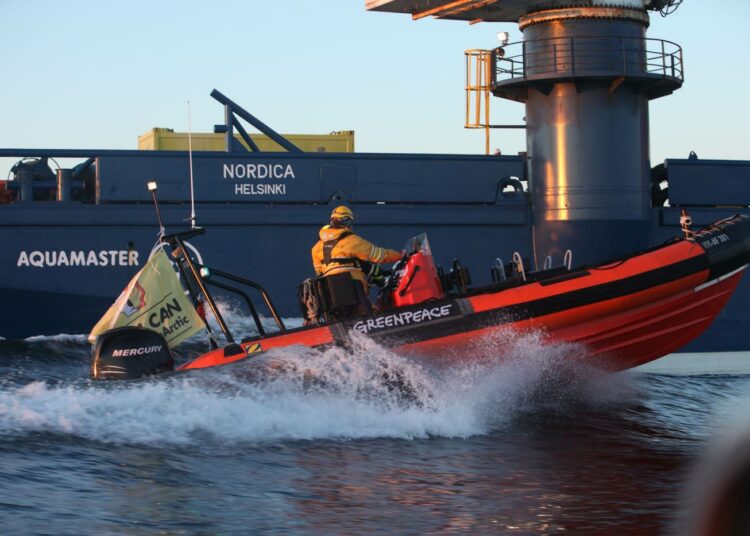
259	189
51	259
258	171
136	351
403	319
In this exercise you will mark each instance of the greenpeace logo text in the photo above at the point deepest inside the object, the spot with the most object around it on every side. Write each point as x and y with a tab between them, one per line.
137	351
406	318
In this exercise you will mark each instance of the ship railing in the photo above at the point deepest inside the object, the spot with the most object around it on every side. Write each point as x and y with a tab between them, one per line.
587	56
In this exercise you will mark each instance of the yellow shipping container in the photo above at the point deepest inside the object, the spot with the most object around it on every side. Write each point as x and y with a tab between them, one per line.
166	139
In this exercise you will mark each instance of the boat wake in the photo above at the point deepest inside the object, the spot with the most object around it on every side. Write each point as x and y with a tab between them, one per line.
297	393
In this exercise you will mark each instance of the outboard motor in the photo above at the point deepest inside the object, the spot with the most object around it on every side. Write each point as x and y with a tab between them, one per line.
129	352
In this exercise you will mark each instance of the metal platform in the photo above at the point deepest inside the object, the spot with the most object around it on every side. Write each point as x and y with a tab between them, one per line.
507	11
492	10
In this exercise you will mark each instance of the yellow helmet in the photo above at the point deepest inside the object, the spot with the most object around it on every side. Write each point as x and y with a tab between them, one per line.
343	215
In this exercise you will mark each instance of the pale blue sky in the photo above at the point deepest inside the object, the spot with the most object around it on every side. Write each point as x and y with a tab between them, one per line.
93	74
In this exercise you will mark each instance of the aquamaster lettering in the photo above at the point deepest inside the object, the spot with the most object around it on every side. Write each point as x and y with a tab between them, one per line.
403	319
49	259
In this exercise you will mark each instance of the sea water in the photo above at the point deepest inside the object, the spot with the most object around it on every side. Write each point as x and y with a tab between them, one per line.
352	440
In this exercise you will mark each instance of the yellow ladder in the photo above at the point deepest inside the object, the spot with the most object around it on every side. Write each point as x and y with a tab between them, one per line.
478	80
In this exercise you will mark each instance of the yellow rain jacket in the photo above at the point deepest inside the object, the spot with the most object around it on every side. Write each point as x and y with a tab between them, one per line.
346	246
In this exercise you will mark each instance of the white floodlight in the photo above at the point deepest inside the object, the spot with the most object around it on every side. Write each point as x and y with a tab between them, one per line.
503	37
151	186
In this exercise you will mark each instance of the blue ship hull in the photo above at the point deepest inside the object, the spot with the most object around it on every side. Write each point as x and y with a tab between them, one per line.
60	275
63	264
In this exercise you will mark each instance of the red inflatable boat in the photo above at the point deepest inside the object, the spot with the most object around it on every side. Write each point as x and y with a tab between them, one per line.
624	313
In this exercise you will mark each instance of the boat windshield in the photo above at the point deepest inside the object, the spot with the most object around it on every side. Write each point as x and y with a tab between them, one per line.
418	244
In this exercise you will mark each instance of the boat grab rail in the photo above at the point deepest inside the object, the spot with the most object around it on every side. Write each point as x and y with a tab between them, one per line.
498	271
518	261
248	301
202	273
250	283
176	241
568	259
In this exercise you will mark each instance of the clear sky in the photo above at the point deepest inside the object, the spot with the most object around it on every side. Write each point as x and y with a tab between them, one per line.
97	74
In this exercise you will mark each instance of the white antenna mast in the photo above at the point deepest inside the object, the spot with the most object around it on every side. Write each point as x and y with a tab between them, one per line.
190	158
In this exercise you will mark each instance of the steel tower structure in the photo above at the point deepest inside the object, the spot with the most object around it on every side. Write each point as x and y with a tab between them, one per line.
586	73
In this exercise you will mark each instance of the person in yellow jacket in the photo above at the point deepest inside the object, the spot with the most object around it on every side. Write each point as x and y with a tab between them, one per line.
340	250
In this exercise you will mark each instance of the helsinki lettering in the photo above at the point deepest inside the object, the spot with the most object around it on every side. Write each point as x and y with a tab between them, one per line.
403	319
136	351
50	259
169	318
260	189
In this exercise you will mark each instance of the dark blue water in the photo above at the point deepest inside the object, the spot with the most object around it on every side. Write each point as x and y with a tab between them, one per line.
318	443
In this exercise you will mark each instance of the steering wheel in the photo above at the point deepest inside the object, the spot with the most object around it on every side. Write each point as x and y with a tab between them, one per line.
393	276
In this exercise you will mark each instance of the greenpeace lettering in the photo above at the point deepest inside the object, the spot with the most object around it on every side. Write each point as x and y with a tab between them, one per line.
406	318
127	352
258	171
56	258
